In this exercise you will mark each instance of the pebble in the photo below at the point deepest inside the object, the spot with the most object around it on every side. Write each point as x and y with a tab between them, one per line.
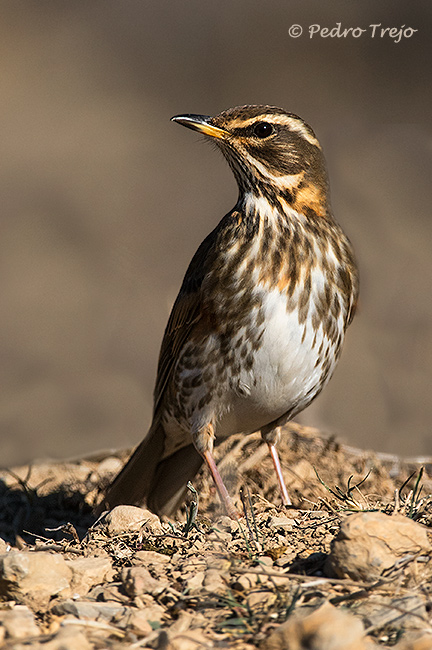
151	558
326	627
245	582
368	543
261	599
281	523
379	611
129	519
227	524
33	578
194	582
189	641
423	642
68	638
139	624
87	572
18	622
138	581
90	610
213	582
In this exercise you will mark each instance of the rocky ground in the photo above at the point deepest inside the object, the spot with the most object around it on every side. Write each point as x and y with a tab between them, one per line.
347	567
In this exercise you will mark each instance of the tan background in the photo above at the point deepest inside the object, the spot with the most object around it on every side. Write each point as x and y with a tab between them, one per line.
104	201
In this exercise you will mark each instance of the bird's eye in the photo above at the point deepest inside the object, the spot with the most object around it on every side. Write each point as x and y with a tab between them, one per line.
263	129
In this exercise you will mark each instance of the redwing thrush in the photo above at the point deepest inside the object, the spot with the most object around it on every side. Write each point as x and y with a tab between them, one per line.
258	325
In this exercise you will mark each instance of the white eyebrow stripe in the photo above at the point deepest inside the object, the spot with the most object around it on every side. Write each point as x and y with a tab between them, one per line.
291	122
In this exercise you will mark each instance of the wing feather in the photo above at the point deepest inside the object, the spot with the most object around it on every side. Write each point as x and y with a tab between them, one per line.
185	315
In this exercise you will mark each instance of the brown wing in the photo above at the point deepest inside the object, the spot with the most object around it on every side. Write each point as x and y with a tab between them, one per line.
185	314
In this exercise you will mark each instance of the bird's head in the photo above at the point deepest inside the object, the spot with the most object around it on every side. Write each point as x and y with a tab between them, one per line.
272	153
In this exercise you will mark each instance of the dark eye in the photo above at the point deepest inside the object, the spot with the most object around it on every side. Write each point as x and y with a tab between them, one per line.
263	129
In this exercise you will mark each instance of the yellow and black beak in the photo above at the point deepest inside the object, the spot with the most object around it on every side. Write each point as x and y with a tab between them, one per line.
201	123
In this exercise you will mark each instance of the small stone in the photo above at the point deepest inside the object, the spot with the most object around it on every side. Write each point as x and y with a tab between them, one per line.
33	578
423	642
19	622
106	592
261	599
139	624
409	610
219	536
213	582
144	601
266	561
137	581
280	580
151	558
195	582
184	621
87	572
90	610
153	613
285	560
368	543
245	582
3	546
281	523
130	519
222	564
227	524
67	638
189	641
327	627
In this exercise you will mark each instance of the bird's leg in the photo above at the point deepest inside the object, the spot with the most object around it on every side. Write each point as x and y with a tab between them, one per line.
286	501
203	442
220	486
271	437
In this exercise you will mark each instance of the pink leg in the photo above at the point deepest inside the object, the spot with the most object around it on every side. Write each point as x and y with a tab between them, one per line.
276	462
222	491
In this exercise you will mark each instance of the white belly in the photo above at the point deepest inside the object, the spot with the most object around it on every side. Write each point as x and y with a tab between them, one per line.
286	373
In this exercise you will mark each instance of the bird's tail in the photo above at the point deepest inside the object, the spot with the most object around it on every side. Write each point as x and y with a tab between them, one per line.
148	480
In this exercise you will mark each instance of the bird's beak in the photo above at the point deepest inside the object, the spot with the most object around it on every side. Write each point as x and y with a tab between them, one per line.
200	123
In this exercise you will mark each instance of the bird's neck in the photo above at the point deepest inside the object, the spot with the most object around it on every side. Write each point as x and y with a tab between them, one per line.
291	206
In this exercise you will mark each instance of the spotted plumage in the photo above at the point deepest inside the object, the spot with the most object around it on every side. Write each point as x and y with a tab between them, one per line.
257	328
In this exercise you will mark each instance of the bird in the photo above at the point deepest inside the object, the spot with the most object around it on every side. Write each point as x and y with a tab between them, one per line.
258	325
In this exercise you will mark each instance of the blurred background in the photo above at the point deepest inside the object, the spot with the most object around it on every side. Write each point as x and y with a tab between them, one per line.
104	201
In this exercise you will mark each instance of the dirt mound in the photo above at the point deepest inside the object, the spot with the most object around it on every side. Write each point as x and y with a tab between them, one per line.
348	566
